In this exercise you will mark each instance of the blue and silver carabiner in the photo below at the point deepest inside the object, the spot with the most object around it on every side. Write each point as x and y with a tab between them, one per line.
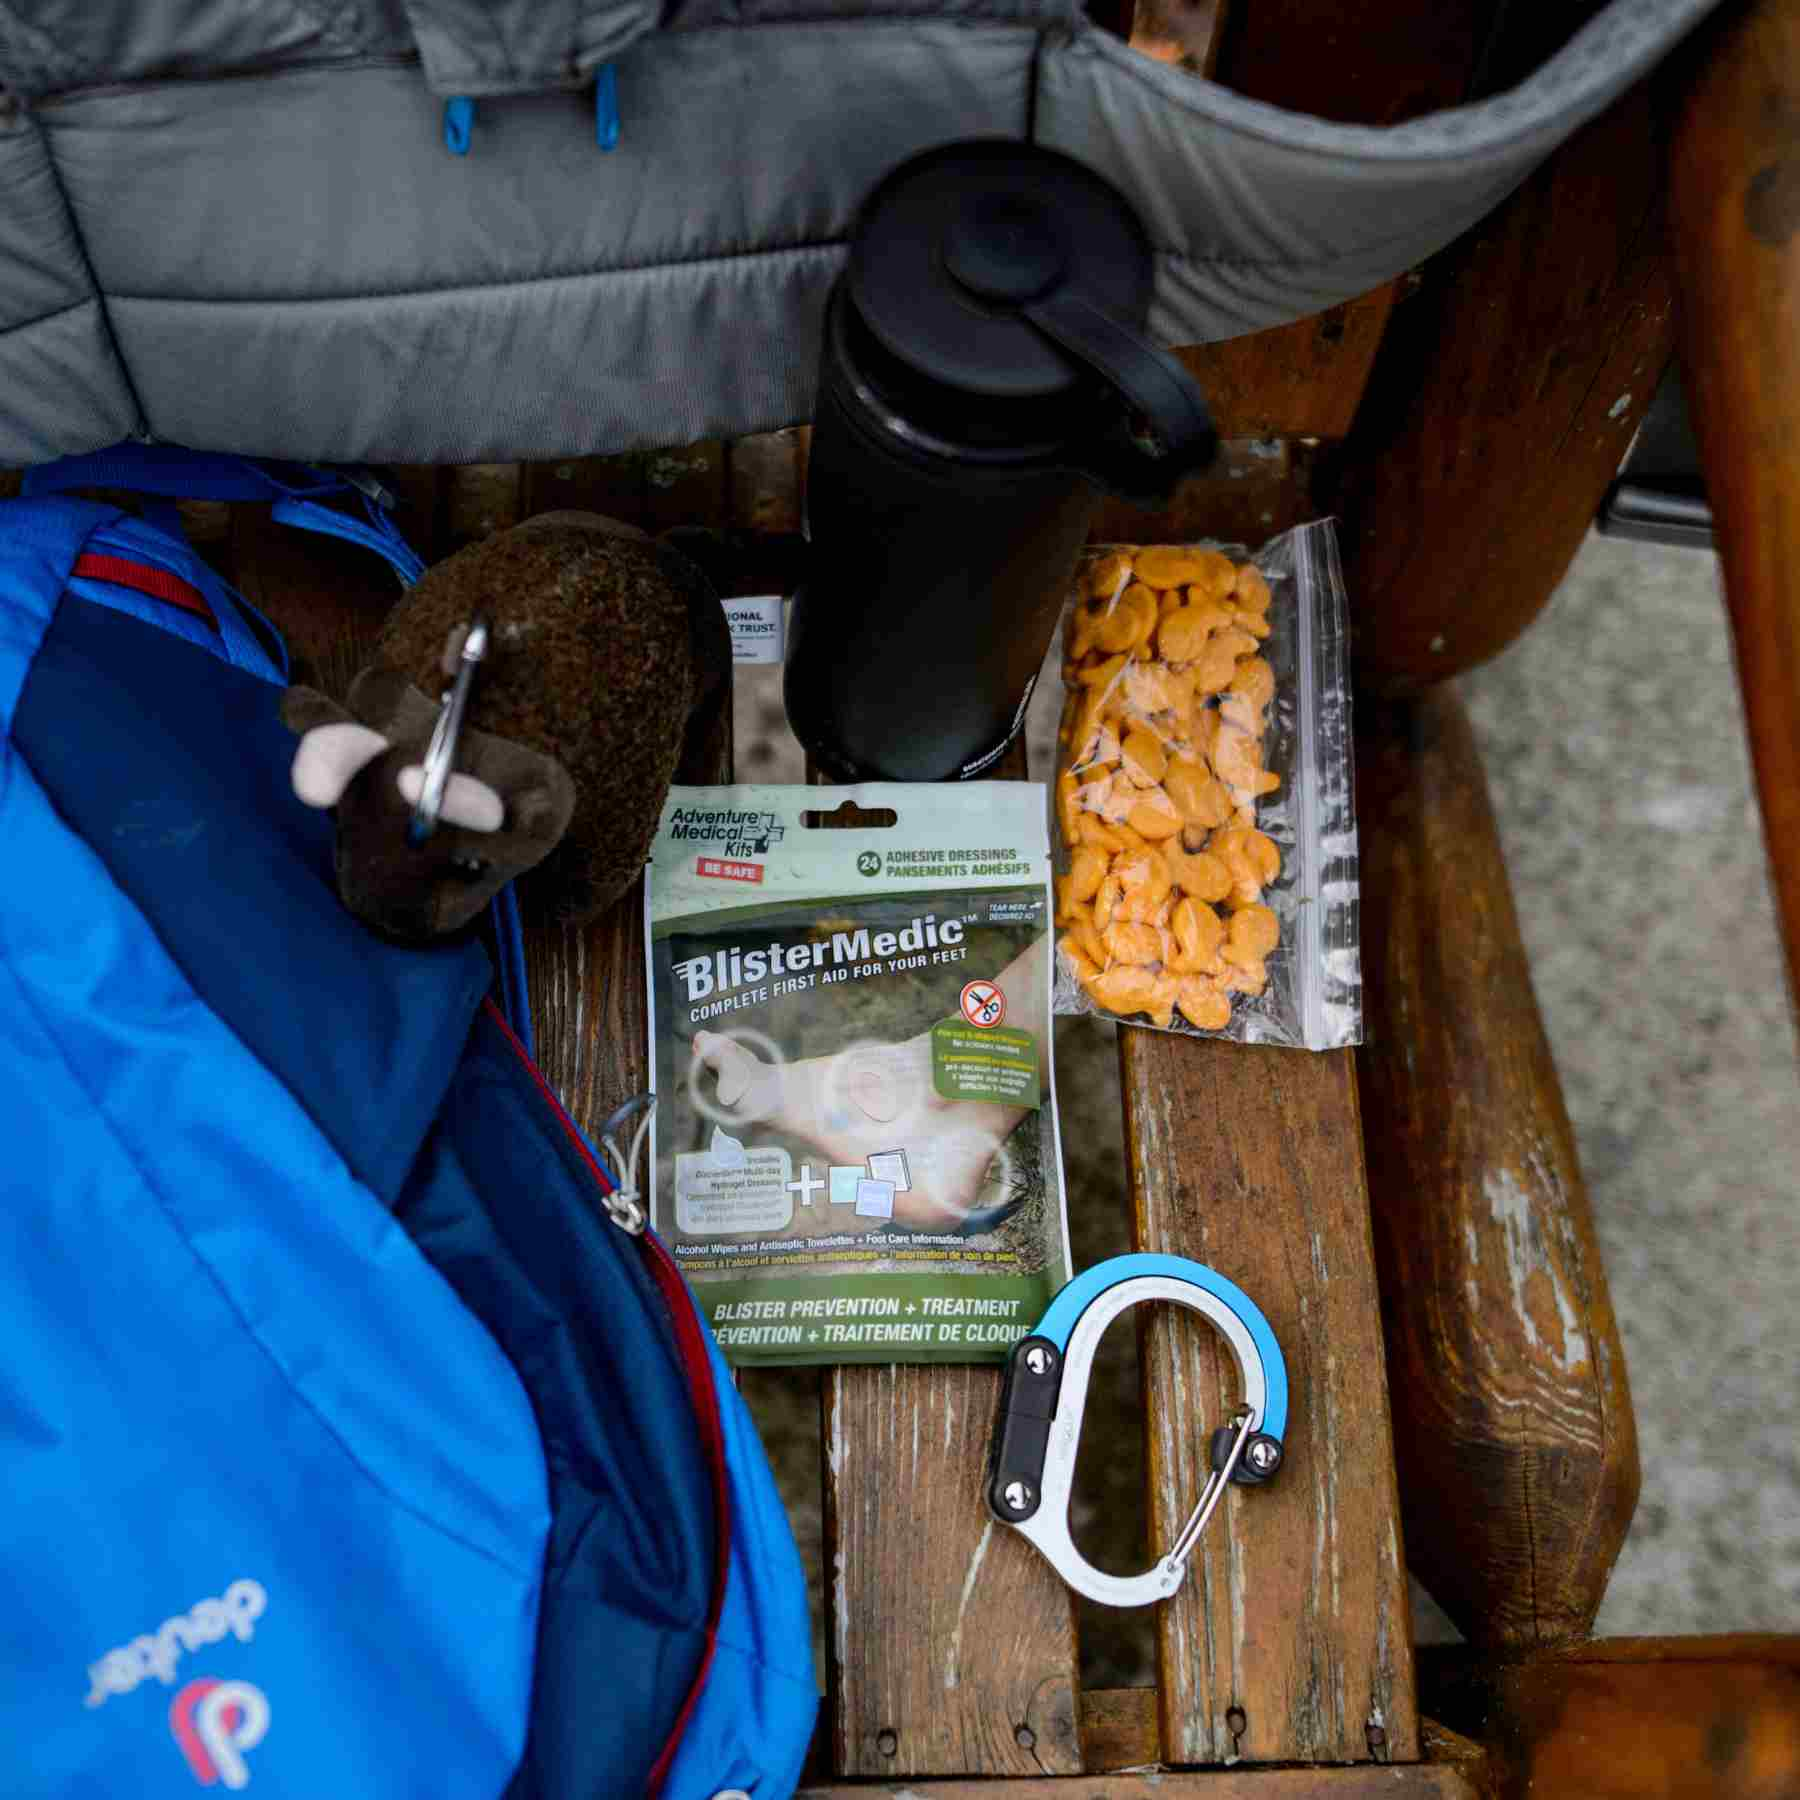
1033	1468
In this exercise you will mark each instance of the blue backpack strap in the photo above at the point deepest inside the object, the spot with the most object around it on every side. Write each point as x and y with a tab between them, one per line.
181	474
376	531
297	490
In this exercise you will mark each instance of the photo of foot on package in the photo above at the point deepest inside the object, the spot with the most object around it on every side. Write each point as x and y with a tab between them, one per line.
855	1153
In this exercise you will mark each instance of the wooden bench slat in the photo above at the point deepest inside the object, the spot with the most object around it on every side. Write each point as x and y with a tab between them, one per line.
1421	1782
1291	1641
950	1643
1512	1416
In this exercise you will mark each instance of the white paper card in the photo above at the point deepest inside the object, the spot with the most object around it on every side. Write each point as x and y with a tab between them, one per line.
733	1200
874	1199
890	1165
756	628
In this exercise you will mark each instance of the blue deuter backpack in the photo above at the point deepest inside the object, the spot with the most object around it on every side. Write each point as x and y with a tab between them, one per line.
346	1449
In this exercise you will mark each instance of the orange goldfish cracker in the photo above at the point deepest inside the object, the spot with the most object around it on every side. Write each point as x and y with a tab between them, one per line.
1213	574
1128	942
1203	1004
1076	960
1119	802
1141	906
1129	622
1197	873
1154	815
1205	735
1197	794
1143	757
1236	756
1068	807
1180	690
1164	992
1239	980
1169	565
1210	613
1182	634
1102	674
1106	903
1255	931
1087	869
1255	681
1143	873
1253	622
1106	575
1251	859
1197	931
1216	667
1087	940
1147	689
1090	828
1124	988
1089	739
1249	589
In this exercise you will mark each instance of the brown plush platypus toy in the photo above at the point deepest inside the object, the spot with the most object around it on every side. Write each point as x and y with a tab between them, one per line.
606	673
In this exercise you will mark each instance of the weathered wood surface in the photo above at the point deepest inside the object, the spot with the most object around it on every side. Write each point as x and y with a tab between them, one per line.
1642	1719
1477	1765
1292	1639
1735	175
1120	1731
1119	1728
1507	390
1418	1783
1513	1427
950	1643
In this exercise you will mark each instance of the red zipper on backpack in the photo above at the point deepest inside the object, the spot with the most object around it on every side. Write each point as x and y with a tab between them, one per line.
696	1363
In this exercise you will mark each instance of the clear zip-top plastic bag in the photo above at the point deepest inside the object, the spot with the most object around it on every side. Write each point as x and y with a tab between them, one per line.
1207	858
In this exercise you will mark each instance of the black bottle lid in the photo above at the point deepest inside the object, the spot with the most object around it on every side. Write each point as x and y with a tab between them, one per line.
1006	274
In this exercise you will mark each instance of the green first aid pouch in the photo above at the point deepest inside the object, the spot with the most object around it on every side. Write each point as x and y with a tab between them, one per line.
855	1146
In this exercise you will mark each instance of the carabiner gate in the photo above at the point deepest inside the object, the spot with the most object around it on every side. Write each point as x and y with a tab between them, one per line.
1039	1431
440	754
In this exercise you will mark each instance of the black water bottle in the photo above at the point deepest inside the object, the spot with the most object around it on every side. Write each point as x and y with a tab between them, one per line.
985	374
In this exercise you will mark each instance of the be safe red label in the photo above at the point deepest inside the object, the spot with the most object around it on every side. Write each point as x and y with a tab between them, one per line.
721	870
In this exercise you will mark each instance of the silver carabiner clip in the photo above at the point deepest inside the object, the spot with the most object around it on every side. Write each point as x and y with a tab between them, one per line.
440	754
1033	1467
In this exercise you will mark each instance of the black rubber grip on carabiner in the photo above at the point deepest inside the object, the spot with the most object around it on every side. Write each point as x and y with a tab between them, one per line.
1261	1458
1022	1435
